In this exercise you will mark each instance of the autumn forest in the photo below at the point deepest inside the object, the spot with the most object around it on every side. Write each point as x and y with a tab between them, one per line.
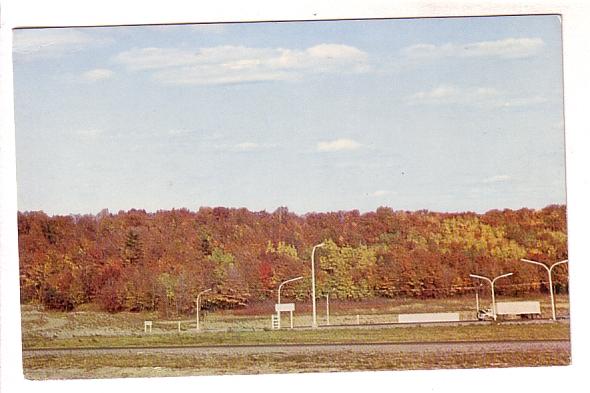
140	261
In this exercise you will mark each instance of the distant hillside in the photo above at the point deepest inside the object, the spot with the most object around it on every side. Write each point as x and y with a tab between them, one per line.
146	261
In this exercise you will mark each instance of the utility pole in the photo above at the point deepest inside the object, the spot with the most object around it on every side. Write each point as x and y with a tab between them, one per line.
549	270
314	322
283	283
492	285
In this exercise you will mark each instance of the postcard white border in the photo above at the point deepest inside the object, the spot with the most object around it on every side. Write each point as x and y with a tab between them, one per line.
37	13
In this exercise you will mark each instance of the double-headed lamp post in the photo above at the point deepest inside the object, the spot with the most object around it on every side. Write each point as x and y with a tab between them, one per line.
283	283
314	323
549	270
199	306
492	281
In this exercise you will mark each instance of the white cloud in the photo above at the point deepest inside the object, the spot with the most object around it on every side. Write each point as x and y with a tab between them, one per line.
450	94
33	43
509	48
496	179
524	101
471	96
97	74
154	58
338	145
214	75
236	64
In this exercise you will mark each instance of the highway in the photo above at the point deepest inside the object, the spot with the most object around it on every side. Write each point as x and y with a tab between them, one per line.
454	347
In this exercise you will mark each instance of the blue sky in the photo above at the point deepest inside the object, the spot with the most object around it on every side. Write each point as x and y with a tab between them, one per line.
454	114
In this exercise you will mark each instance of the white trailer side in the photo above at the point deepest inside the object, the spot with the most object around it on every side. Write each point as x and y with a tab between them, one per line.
429	317
518	308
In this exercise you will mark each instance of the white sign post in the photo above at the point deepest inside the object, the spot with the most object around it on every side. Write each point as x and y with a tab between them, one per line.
283	307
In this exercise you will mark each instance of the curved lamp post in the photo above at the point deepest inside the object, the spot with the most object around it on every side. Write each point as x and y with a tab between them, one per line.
549	269
199	306
285	282
314	323
492	281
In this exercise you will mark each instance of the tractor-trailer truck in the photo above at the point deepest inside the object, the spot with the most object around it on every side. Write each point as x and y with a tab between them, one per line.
527	309
518	308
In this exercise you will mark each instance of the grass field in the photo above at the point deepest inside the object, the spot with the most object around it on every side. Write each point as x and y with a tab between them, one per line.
109	366
497	332
92	329
86	322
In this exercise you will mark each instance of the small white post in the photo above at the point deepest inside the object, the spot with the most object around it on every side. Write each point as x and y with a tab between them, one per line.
291	312
178	326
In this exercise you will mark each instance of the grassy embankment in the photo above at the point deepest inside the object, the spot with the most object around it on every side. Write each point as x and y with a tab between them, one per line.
111	366
88	328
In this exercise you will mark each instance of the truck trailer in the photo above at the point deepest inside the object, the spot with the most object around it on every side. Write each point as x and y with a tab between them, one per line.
505	310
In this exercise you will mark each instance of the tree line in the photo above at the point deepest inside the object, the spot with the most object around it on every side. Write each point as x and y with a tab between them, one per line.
136	261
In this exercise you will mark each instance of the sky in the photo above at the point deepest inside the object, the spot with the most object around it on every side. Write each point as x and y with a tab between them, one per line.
450	114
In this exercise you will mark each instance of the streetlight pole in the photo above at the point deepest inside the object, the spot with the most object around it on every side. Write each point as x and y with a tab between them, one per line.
283	283
549	270
199	306
492	285
314	323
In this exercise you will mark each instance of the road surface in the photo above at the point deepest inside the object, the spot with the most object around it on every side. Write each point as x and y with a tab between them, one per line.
407	348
